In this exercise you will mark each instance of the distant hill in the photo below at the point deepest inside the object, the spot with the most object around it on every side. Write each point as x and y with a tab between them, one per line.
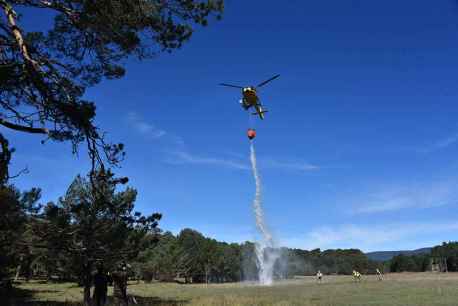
387	255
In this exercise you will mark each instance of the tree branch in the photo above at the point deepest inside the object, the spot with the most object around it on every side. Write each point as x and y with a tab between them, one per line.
23	171
22	128
11	17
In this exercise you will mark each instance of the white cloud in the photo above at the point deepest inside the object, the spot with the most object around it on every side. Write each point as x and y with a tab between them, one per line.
181	157
184	157
286	165
443	143
440	144
143	127
416	196
370	237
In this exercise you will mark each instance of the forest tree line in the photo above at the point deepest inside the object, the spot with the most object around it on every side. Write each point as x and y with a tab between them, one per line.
443	258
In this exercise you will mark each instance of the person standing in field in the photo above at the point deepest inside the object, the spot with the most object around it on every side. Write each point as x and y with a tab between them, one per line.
379	274
356	276
120	285
319	277
100	286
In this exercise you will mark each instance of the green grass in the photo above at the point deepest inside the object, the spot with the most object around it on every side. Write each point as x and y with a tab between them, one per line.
405	289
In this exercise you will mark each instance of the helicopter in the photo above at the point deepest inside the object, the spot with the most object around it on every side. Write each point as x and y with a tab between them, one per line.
250	97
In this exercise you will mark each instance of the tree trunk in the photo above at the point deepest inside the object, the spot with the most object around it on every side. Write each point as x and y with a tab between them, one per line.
87	284
445	264
18	272
87	295
5	157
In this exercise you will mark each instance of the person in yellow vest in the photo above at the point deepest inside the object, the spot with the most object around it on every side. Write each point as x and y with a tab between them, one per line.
356	276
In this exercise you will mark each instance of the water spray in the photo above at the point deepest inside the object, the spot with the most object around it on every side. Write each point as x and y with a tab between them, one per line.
266	252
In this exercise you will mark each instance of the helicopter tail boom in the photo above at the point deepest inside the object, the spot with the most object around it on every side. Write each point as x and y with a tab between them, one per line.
260	113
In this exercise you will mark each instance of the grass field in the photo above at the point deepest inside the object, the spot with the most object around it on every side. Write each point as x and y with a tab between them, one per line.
404	289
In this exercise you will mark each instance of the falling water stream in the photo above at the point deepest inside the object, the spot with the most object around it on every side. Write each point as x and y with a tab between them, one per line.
265	248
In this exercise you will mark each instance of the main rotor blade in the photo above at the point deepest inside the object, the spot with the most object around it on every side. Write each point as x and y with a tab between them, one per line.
267	81
229	85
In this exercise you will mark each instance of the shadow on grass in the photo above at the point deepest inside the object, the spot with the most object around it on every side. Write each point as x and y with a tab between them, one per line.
156	301
44	303
25	297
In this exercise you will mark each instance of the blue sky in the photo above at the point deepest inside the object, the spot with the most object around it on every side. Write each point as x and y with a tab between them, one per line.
359	149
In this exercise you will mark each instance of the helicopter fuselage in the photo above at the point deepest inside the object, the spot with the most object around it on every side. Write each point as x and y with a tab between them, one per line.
250	97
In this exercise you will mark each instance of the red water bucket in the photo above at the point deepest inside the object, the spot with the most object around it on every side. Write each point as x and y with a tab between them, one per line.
251	133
